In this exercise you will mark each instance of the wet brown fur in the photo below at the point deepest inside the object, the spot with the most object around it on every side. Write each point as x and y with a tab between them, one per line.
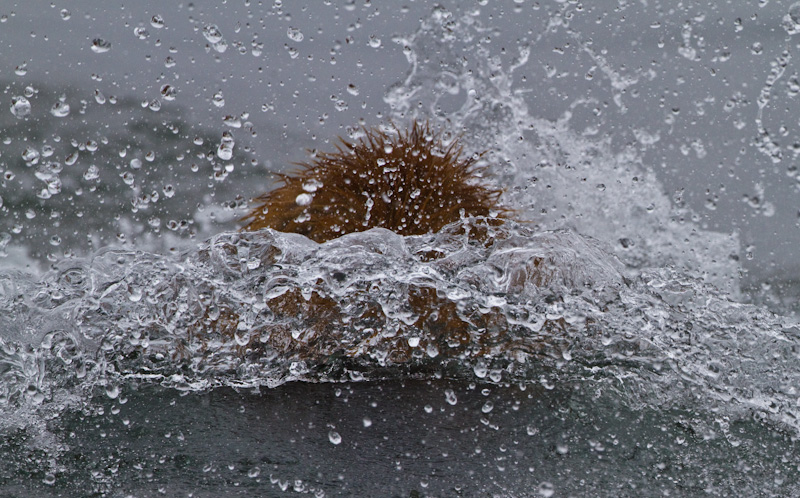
410	182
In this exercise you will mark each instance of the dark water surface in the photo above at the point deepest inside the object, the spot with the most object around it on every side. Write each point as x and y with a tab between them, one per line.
398	439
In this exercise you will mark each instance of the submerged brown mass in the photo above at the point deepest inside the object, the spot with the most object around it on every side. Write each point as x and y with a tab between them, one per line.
408	181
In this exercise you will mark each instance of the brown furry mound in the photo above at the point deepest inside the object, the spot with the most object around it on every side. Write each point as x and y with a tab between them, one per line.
407	181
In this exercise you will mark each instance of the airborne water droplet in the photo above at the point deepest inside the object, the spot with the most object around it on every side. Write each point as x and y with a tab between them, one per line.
141	32
100	46
334	437
20	106
212	33
60	109
294	34
225	149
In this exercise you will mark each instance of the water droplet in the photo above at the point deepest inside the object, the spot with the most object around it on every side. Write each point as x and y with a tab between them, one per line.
450	396
141	32
168	92
303	199
169	62
112	391
352	89
225	149
65	14
487	407
22	69
100	46
232	121
20	106
93	173
157	21
218	100
791	21
374	41
60	109
254	472
546	489
334	437
30	155
212	33
294	34
367	422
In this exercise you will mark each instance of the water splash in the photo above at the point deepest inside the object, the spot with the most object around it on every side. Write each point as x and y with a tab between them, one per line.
558	178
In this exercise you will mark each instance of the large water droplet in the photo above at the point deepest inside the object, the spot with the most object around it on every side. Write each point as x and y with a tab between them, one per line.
30	155
20	106
225	149
212	33
100	46
60	109
791	21
334	437
294	34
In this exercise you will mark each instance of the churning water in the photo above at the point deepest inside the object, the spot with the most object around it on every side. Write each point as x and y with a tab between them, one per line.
608	350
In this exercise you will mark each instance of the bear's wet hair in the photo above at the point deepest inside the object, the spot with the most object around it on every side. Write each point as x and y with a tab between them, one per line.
409	181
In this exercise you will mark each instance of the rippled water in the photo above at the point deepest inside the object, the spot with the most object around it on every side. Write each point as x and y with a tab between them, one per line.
597	346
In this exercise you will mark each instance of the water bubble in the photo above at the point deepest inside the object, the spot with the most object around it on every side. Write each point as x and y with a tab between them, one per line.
100	46
20	106
65	14
49	479
374	41
334	437
169	61
294	34
212	33
60	109
22	69
487	407
450	396
141	32
157	21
